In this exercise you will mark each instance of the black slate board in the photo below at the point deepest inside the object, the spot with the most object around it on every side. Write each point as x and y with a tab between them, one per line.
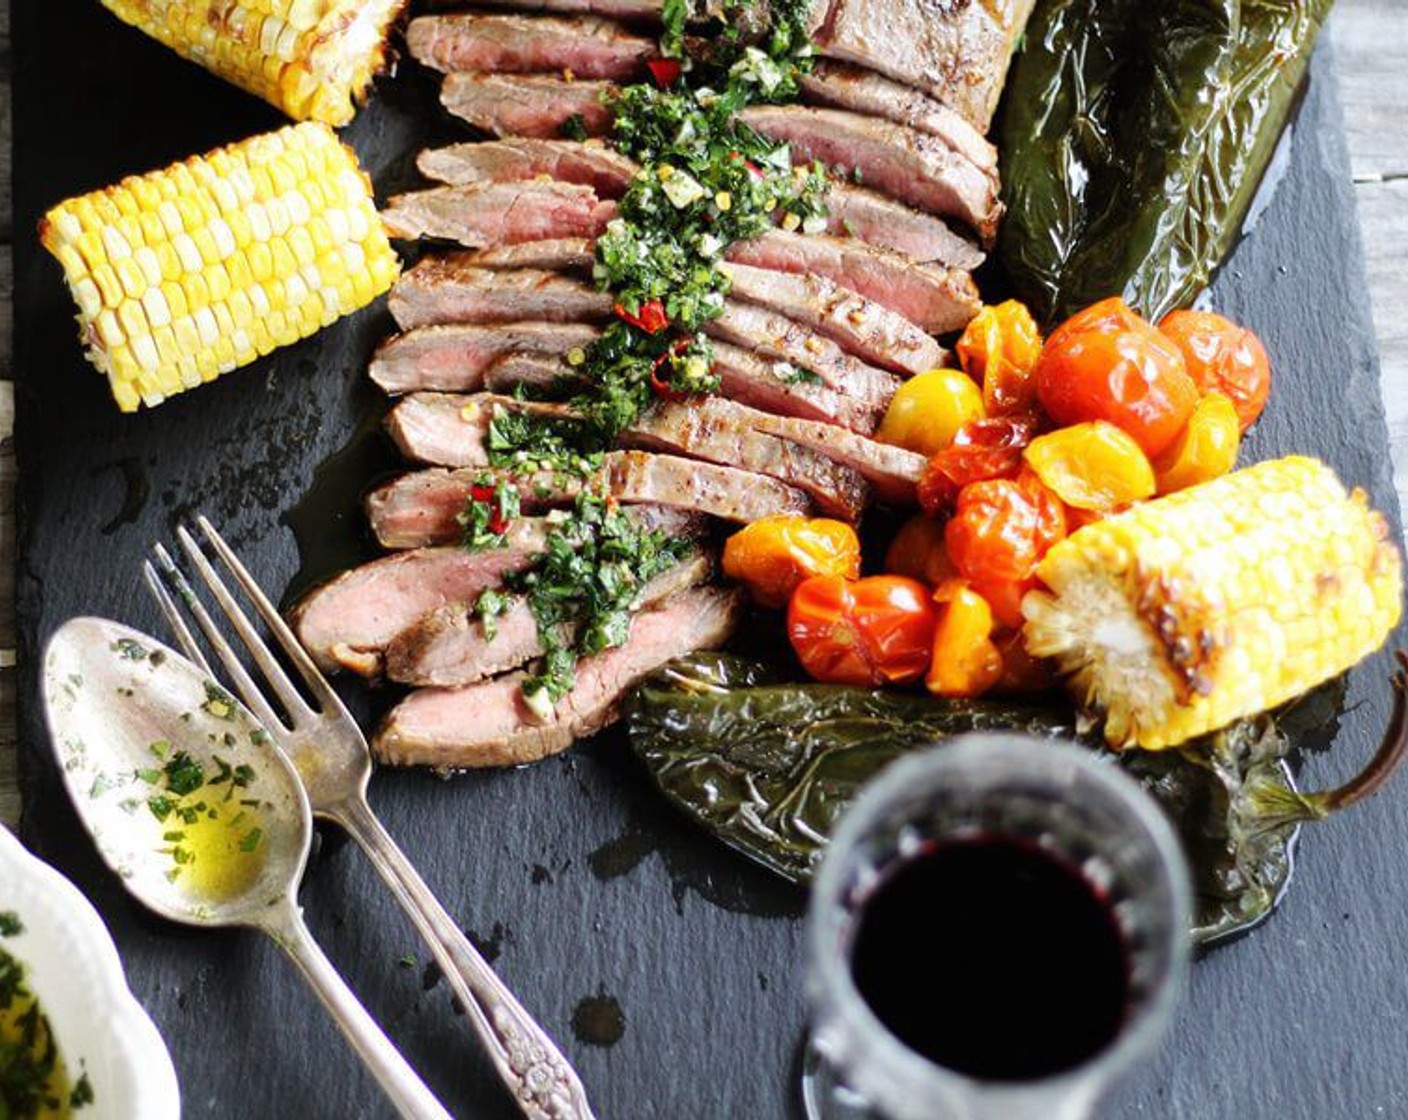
571	873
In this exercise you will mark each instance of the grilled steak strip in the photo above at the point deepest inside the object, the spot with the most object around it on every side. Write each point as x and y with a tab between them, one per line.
840	86
457	357
958	53
543	373
562	254
590	163
449	648
935	298
774	336
909	166
877	220
488	724
482	214
587	46
641	10
771	385
535	105
423	507
447	289
858	325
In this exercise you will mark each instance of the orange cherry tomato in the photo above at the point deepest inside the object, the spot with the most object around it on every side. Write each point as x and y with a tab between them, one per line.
1021	672
999	350
1004	596
772	556
1001	528
1205	450
918	551
981	450
873	631
1094	466
965	661
1224	357
1106	363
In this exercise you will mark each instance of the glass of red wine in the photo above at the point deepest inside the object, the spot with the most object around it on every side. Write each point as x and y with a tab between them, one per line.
999	931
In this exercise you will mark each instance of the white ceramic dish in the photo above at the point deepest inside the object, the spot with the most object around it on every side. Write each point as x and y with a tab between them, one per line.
73	968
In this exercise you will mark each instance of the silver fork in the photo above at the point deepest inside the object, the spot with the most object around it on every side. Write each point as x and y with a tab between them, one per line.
332	757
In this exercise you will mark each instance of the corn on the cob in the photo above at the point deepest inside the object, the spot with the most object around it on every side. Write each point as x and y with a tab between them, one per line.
1184	614
186	273
314	59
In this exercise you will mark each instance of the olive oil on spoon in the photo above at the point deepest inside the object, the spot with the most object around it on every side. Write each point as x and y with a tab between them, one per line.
197	811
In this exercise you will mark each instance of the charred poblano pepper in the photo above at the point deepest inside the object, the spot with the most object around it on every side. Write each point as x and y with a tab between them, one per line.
1133	139
769	767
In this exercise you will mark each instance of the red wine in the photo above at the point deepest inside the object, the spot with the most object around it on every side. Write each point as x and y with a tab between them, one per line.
993	958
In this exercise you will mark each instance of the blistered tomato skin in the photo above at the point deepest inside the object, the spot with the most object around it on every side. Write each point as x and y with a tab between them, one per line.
772	556
1206	449
965	662
873	631
918	551
1222	357
999	350
1092	466
1107	363
1000	529
983	449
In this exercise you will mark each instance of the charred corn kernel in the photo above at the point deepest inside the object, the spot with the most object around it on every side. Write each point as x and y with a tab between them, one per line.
140	312
314	59
998	350
927	411
1206	449
1093	466
965	661
1185	613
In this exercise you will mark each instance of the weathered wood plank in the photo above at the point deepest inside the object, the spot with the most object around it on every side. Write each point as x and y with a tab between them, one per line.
1371	45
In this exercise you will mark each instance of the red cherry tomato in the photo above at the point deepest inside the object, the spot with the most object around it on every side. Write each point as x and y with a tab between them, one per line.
1222	357
982	449
873	631
1106	363
1001	528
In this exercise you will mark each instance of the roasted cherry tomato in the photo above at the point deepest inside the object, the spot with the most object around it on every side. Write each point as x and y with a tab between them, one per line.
999	350
981	450
1206	449
918	551
927	411
1000	529
1022	673
965	661
772	556
1106	363
1093	466
1224	357
1005	596
873	631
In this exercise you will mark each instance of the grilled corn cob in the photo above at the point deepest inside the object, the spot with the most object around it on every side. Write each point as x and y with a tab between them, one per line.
1186	613
314	59
183	274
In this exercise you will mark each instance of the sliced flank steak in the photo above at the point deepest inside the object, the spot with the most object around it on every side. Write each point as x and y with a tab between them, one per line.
452	647
515	159
873	218
547	374
773	385
562	254
586	46
536	105
639	10
424	507
490	723
907	165
481	214
933	297
456	357
448	289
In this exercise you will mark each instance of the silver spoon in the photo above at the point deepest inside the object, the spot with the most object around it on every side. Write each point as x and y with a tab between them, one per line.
196	810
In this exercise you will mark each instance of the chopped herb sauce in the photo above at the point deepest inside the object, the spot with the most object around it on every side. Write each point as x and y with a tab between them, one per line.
34	1084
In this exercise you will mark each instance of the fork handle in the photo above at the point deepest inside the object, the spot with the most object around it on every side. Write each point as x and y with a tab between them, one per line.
542	1081
402	1085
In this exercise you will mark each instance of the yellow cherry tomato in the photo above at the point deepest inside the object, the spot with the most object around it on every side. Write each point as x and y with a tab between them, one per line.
1093	466
927	410
965	660
919	551
999	350
1205	449
772	556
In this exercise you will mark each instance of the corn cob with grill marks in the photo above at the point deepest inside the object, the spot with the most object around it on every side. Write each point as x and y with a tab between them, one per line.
1181	615
186	273
314	59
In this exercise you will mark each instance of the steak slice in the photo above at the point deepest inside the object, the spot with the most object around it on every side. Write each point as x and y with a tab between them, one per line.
690	428
489	723
858	325
774	336
586	46
958	53
457	357
590	163
563	254
722	492
536	105
540	372
641	10
423	507
450	647
482	214
771	385
839	86
447	289
876	220
935	298
907	165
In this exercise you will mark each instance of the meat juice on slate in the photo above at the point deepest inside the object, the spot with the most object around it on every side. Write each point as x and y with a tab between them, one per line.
993	958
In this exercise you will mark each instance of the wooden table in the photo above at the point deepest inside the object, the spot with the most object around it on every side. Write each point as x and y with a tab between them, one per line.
1371	37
